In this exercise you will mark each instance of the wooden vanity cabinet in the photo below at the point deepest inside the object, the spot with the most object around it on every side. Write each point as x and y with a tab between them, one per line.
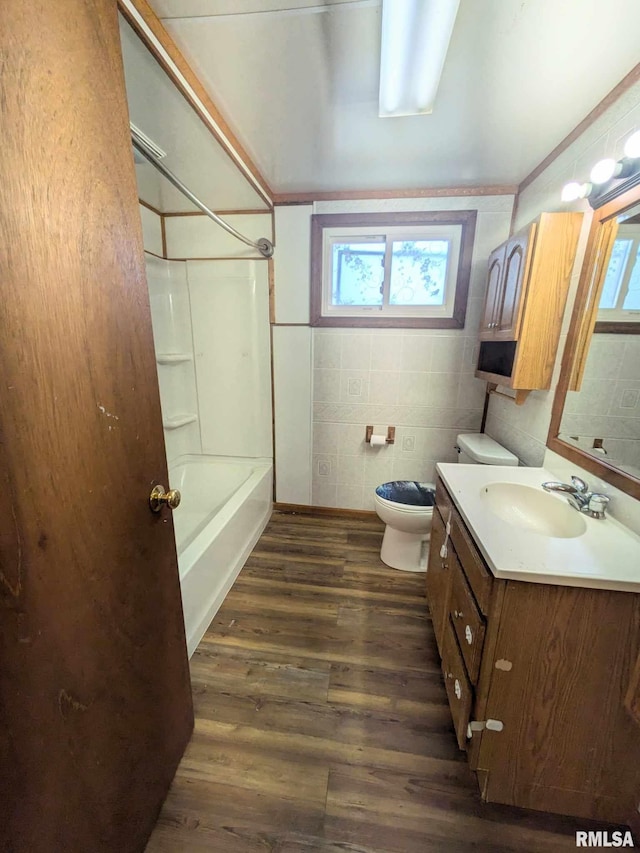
527	287
539	679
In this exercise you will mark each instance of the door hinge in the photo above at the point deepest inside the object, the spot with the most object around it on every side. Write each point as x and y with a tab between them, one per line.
479	725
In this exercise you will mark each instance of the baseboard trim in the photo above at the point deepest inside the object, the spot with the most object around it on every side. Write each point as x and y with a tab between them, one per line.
304	509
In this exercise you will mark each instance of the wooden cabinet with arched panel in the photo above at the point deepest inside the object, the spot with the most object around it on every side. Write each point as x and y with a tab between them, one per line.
526	295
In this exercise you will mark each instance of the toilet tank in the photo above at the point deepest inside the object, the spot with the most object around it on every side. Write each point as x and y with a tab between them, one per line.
477	448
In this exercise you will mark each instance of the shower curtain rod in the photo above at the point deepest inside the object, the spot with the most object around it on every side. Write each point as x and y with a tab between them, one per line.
264	246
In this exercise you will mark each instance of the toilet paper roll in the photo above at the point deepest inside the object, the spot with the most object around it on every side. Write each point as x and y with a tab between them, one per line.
378	440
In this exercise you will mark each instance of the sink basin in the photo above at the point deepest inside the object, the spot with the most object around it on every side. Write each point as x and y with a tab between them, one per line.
533	510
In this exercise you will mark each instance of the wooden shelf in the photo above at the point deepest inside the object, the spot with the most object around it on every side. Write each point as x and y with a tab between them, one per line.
178	421
173	357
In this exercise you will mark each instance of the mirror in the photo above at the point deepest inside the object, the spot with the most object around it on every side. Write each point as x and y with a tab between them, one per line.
596	413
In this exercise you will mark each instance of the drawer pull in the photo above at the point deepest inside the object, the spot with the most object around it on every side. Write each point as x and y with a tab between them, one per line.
457	614
468	633
457	689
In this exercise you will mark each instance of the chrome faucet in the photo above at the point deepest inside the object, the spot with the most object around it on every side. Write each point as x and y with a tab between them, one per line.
592	504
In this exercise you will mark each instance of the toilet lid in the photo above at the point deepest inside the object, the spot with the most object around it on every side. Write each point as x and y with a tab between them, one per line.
407	492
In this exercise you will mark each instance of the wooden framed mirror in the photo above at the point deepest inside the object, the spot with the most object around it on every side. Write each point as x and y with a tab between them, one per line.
595	421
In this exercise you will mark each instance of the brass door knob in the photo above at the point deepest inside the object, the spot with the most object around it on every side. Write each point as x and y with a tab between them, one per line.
159	498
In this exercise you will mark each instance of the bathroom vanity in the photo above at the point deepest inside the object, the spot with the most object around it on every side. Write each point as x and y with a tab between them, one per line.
539	634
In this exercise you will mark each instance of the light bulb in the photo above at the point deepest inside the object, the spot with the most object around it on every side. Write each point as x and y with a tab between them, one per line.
573	191
603	171
632	145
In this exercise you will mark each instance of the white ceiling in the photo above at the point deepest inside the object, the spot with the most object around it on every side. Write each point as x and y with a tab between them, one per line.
298	82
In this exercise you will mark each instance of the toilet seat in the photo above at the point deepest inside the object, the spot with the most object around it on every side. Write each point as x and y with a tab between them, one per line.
407	496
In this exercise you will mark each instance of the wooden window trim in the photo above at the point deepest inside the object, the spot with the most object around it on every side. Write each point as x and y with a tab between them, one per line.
466	219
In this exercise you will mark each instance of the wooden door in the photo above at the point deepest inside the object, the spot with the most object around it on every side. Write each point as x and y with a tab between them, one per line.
494	286
516	266
95	704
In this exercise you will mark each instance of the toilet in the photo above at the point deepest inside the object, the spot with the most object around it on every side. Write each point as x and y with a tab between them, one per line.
406	506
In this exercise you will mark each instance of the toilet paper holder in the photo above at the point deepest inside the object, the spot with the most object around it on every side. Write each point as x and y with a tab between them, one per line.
391	434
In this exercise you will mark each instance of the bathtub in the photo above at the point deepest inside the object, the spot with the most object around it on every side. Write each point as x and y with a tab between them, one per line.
225	506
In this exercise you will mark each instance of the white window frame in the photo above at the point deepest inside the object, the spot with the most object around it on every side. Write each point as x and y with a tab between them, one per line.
445	233
455	227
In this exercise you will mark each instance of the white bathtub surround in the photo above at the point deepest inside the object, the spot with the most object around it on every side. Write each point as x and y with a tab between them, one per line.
230	315
211	334
605	556
173	341
225	507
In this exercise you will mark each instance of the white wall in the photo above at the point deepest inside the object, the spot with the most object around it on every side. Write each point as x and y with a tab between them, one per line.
200	237
420	381
523	429
151	230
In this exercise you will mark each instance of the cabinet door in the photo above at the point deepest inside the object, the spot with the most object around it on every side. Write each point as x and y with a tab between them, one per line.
494	285
516	265
437	582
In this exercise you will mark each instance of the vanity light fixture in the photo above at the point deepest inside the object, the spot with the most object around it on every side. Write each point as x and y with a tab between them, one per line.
415	40
632	145
604	172
573	191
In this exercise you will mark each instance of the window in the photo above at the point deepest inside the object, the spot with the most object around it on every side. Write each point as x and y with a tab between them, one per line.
402	269
620	297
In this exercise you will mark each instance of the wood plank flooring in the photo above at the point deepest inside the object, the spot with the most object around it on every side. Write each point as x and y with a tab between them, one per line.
321	718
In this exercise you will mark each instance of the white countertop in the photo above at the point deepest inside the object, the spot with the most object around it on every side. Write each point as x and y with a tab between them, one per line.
605	556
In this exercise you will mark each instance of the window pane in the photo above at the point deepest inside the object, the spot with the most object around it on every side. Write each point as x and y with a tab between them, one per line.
358	272
419	272
617	264
632	299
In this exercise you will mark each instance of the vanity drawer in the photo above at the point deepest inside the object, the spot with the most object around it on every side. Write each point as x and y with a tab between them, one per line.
443	501
479	578
467	622
459	689
478	575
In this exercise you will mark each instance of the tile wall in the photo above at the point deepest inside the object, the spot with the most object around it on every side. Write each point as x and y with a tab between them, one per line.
420	381
608	403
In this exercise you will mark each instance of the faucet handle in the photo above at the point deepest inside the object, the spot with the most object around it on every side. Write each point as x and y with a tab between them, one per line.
580	484
597	505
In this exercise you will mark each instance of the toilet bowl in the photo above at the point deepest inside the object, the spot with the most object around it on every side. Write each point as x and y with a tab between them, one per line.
406	506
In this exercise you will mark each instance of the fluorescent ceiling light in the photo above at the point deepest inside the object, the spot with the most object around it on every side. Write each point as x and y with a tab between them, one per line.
415	40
